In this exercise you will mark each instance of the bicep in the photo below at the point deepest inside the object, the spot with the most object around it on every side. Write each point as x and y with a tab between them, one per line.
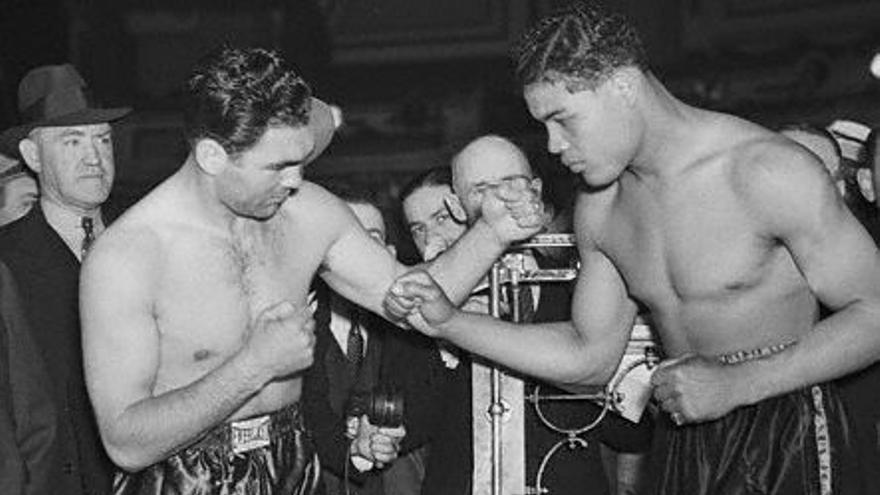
602	312
120	338
359	269
837	257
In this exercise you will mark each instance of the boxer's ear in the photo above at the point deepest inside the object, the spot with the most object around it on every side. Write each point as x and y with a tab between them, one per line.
625	82
210	156
455	208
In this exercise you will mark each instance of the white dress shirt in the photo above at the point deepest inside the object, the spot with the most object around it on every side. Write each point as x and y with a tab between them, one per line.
68	225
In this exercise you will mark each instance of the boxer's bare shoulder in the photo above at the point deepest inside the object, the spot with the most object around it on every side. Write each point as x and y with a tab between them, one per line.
315	213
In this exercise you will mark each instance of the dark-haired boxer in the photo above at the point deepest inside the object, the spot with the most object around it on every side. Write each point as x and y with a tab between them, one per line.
729	235
196	330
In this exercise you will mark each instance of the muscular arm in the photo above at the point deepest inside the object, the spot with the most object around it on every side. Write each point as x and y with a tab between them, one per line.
797	203
574	354
121	351
362	271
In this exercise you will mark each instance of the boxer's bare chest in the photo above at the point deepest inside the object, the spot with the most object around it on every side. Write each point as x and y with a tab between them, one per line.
215	286
693	250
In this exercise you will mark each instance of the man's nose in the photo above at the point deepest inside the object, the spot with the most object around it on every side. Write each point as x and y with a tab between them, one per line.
555	143
435	244
91	155
291	177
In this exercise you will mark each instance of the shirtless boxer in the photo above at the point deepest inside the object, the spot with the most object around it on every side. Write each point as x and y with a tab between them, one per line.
193	302
729	235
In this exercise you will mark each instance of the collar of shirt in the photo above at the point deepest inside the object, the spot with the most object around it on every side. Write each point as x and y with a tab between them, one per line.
68	225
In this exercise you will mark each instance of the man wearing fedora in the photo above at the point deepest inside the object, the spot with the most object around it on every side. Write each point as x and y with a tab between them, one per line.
67	141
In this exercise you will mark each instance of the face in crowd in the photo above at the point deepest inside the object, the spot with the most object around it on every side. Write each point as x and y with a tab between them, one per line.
430	221
490	165
373	222
74	164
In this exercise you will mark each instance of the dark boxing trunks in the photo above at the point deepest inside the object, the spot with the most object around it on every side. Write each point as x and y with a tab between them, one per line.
795	444
265	455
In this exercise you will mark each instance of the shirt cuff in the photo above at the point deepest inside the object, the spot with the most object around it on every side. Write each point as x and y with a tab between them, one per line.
361	463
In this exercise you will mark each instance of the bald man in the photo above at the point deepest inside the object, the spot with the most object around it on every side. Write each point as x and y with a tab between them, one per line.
482	166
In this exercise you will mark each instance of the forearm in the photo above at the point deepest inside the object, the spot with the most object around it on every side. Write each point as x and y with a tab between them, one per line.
554	352
843	343
154	428
459	269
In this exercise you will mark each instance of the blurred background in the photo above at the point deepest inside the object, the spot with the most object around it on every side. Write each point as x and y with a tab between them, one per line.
418	78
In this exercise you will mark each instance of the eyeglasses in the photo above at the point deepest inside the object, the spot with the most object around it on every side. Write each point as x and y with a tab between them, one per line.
511	182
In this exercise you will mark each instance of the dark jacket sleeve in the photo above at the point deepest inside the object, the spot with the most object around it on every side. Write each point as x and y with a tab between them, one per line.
325	425
12	472
31	407
411	366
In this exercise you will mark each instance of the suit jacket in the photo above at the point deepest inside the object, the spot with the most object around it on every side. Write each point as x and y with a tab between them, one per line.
450	465
437	413
327	391
48	277
28	421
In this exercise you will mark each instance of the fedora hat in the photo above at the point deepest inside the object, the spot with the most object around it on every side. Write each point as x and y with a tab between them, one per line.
54	96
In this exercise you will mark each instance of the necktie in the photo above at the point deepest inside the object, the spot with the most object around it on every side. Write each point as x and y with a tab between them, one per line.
355	346
88	226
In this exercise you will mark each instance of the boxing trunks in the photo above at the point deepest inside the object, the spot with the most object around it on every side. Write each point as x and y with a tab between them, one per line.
264	455
793	444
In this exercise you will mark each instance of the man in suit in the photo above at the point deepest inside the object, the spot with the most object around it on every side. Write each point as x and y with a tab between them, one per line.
347	361
447	424
28	421
67	142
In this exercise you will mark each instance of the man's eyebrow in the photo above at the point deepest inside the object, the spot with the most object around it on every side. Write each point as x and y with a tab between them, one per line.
280	165
71	132
549	115
439	211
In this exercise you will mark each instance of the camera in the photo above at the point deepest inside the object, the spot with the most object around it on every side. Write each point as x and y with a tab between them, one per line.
383	406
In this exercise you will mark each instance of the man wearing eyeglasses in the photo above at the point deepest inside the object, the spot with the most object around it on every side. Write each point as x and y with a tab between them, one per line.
491	163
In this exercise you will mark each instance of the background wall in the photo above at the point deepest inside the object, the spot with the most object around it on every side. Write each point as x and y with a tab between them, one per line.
417	78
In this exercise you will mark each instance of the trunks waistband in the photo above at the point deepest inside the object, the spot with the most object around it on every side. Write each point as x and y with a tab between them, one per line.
251	433
752	354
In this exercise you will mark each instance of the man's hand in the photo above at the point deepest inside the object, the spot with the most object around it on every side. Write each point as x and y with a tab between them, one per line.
375	444
514	211
416	297
282	340
693	389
